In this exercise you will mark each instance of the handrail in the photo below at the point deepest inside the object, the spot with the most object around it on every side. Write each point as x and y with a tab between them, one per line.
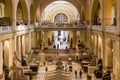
4	29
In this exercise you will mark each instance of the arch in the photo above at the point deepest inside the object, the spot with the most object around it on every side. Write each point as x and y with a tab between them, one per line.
58	7
59	14
96	12
31	14
61	11
73	2
22	12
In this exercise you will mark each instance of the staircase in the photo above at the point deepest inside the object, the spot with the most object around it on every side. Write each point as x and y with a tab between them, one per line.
58	75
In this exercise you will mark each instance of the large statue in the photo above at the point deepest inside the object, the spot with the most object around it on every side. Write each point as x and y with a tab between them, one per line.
93	61
98	72
59	64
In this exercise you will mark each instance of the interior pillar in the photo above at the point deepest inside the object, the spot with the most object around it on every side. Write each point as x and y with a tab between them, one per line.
99	47
116	59
30	39
23	44
1	57
14	20
93	42
95	45
108	53
118	16
35	39
45	39
10	53
74	39
19	47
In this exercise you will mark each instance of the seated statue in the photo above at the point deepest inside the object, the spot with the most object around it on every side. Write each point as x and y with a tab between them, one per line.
59	65
107	75
98	72
93	62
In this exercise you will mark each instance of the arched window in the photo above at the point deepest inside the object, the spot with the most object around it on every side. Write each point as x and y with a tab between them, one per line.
61	18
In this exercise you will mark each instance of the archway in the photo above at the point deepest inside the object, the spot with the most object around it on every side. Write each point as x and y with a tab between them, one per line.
60	18
57	7
96	13
78	4
22	13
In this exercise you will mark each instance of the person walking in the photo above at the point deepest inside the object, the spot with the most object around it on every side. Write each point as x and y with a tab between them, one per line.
46	68
80	73
75	73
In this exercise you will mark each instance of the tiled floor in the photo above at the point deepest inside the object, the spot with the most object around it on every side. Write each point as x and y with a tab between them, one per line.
41	72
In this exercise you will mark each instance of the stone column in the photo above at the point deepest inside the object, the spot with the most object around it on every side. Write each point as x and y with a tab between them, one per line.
1	57
90	41
27	42
116	60
95	45
19	47
74	39
45	39
99	47
38	36
118	17
30	41
10	53
108	53
103	48
14	20
24	44
35	39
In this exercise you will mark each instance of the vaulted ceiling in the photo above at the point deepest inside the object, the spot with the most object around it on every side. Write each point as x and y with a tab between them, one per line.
79	4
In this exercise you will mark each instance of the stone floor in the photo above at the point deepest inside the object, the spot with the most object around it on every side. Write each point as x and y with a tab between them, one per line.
76	66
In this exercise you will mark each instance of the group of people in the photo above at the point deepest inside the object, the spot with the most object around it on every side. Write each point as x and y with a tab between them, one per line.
80	73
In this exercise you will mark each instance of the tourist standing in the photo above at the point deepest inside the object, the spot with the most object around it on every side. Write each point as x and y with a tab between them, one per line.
80	73
46	68
75	73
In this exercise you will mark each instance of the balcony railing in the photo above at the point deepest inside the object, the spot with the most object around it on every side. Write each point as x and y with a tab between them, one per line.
111	29
5	29
96	27
21	27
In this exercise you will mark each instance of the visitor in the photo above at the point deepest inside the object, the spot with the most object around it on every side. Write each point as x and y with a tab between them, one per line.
80	73
57	46
75	73
46	68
